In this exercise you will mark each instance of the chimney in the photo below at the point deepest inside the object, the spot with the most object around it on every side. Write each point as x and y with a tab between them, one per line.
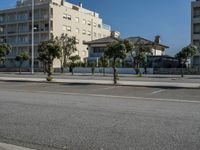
62	2
157	39
80	4
115	34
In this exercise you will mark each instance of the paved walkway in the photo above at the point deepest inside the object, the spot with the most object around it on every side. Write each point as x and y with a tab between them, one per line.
4	146
108	82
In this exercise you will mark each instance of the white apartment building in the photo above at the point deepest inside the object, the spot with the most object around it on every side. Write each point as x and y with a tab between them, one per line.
52	17
195	31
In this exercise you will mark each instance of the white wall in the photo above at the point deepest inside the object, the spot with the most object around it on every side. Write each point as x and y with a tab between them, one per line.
110	70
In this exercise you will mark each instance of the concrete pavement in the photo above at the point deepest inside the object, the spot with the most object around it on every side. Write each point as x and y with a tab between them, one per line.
102	81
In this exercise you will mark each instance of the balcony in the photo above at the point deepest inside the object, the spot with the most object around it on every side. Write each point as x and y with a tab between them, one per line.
196	16
12	32
2	32
106	27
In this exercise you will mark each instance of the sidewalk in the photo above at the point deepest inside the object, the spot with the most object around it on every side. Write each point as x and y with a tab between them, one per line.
4	146
107	82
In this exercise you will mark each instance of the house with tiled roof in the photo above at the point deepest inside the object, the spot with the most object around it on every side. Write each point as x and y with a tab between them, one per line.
97	47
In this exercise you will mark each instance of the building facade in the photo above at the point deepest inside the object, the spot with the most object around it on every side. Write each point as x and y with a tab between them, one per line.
195	31
51	17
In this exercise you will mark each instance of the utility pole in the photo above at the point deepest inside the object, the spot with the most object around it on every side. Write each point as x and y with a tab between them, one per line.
32	50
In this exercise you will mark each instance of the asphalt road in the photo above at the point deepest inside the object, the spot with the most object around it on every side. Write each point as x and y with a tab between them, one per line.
93	117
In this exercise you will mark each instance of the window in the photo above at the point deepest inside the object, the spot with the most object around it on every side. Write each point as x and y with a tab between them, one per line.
196	12
84	21
89	33
77	19
69	17
95	34
1	18
99	25
64	28
196	42
89	23
69	28
77	30
197	28
65	16
98	50
84	32
99	35
77	41
51	12
84	53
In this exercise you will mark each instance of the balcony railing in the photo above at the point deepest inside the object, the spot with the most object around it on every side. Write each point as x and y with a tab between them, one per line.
106	27
24	19
196	16
2	32
196	32
12	32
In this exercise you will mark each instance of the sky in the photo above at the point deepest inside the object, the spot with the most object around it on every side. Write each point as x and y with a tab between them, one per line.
171	19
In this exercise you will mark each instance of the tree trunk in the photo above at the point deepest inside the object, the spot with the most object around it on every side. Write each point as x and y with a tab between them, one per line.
138	66
44	67
49	73
72	70
20	66
182	74
65	61
20	70
114	72
61	66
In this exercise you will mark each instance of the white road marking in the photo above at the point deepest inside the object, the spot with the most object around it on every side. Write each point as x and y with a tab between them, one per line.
111	96
159	91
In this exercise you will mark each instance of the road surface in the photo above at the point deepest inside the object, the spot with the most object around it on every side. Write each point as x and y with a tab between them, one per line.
93	117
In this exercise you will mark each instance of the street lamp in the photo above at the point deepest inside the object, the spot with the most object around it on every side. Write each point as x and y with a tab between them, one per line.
32	50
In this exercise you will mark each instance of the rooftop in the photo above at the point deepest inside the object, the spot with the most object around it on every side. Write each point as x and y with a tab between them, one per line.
139	39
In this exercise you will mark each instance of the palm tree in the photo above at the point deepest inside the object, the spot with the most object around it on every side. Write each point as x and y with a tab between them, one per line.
48	51
73	60
139	55
117	50
185	54
68	45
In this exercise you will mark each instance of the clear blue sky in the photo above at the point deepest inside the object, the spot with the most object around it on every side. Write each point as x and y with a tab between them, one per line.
146	18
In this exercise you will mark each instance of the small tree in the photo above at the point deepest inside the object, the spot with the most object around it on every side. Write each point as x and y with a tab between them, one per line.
48	51
104	63
139	54
73	60
5	49
185	54
68	48
21	58
117	50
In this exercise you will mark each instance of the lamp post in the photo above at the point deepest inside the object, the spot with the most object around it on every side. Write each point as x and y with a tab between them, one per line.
32	50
